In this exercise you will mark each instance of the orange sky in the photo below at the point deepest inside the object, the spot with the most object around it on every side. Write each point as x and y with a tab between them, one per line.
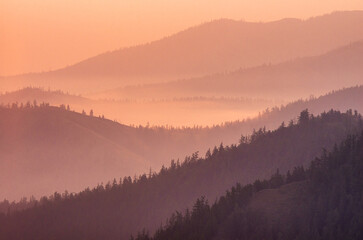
40	35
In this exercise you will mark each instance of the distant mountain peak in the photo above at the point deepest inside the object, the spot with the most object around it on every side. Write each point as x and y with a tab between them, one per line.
216	46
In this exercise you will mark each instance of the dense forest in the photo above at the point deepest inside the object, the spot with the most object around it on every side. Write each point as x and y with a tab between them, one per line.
323	202
123	206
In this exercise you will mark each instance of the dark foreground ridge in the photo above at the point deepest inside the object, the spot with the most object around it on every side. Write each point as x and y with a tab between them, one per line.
322	202
121	208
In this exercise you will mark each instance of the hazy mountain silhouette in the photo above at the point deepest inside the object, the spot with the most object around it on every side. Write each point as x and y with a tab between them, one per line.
29	94
195	110
342	67
217	46
190	111
344	99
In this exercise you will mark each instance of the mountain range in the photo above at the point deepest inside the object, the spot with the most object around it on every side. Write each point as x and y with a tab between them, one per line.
289	80
214	47
177	112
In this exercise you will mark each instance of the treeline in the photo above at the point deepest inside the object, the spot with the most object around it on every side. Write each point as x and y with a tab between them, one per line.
24	203
34	104
332	206
39	90
122	207
21	105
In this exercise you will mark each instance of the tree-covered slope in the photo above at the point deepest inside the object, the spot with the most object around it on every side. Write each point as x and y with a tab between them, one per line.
117	210
322	202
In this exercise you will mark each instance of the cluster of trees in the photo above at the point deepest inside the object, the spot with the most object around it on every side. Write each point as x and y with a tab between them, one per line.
332	206
34	104
10	207
27	105
120	208
35	89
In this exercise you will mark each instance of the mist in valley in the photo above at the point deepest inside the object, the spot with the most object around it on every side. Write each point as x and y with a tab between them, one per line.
129	139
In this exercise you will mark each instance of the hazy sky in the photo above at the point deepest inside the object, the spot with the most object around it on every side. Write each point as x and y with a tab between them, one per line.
40	35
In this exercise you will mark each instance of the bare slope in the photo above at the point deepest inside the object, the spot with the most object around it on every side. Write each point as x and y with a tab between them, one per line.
212	47
342	67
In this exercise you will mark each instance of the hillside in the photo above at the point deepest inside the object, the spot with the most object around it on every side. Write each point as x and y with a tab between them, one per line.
117	210
59	149
322	202
343	100
29	94
342	67
55	142
217	46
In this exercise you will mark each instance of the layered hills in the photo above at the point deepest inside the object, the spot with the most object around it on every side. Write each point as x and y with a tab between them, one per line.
214	47
289	80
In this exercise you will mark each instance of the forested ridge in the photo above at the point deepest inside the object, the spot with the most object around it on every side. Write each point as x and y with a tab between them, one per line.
123	207
327	204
